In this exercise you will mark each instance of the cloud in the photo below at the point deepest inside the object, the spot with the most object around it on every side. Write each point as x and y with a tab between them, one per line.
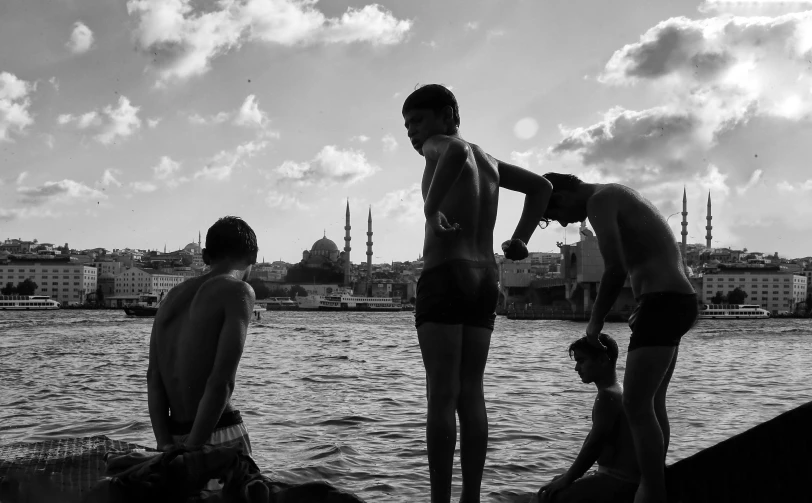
405	205
390	144
755	178
250	114
181	41
109	177
14	105
360	138
754	7
218	118
523	159
110	123
65	191
275	199
331	165
9	214
785	186
143	186
81	39
153	123
472	25
54	83
223	164
49	140
21	177
494	33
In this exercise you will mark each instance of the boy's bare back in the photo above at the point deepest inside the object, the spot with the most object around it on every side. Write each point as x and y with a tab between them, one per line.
471	202
618	451
199	332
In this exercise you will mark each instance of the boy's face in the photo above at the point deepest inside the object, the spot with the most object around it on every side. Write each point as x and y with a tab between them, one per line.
590	368
421	124
564	209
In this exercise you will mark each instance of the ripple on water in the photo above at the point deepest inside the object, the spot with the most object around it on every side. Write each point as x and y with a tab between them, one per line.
341	396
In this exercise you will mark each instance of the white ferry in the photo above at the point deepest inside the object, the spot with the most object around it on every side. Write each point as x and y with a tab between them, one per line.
348	302
277	304
27	303
732	311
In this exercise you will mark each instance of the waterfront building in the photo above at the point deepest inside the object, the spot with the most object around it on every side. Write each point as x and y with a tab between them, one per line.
765	285
65	282
107	267
135	280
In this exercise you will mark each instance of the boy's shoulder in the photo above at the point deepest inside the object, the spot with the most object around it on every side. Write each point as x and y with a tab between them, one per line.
611	396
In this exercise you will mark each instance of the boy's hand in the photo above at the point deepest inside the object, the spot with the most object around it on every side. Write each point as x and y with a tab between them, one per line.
439	224
547	491
593	330
515	249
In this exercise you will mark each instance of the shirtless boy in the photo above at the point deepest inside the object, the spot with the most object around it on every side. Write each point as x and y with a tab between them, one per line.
635	241
196	344
609	442
457	291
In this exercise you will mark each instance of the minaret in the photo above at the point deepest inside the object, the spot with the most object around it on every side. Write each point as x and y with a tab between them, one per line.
369	248
684	224
198	238
709	226
347	248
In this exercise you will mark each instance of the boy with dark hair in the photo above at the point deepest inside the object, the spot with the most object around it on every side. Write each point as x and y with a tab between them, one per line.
457	290
196	344
609	442
635	241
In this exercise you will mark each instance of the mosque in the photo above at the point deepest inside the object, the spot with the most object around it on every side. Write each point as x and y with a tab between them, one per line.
325	263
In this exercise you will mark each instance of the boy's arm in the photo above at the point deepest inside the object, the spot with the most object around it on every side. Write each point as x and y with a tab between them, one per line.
157	401
238	301
604	416
604	218
537	190
451	153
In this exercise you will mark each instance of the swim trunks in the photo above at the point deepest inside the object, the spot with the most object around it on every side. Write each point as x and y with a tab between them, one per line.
458	292
662	318
620	475
228	432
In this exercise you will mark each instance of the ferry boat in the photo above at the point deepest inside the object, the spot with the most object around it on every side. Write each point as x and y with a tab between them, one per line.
277	304
147	306
27	303
348	302
732	311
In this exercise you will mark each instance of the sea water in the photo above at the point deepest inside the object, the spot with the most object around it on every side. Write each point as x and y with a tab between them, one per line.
341	396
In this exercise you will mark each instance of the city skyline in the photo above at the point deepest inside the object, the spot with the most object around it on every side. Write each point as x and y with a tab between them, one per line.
124	123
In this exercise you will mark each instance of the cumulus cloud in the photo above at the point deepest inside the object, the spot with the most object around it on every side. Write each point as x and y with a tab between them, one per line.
754	7
250	114
200	120
181	41
527	158
54	83
785	186
275	199
109	177
14	105
755	178
331	165
389	143
225	162
9	214
405	205
153	123
472	25
81	38
21	177
143	186
110	123
360	138
64	191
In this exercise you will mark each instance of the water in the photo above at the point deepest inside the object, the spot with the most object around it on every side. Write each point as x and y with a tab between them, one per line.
341	396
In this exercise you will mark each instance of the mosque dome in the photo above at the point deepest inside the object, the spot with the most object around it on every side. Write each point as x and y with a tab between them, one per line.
324	244
192	247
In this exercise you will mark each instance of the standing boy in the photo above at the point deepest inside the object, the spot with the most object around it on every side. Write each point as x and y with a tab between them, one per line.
635	241
457	291
609	442
196	344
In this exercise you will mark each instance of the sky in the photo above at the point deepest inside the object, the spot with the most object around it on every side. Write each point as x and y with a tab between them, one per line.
138	123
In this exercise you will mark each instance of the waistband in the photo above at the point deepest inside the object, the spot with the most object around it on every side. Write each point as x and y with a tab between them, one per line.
228	418
621	475
463	261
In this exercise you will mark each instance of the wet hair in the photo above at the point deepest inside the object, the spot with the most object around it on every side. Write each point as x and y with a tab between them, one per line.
584	346
434	97
560	182
231	238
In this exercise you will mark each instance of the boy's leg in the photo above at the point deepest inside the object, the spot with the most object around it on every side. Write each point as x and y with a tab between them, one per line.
597	488
441	346
646	367
471	407
659	403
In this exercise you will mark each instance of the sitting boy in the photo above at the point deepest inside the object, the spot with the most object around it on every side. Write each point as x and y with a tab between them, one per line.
609	442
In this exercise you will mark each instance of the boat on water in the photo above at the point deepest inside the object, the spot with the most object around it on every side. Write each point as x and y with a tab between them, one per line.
277	304
732	312
27	303
349	302
147	306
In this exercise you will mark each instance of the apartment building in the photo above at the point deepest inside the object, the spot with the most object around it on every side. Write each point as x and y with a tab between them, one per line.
65	282
134	280
773	289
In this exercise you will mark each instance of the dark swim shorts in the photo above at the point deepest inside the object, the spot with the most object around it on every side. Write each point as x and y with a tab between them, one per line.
662	318
458	292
